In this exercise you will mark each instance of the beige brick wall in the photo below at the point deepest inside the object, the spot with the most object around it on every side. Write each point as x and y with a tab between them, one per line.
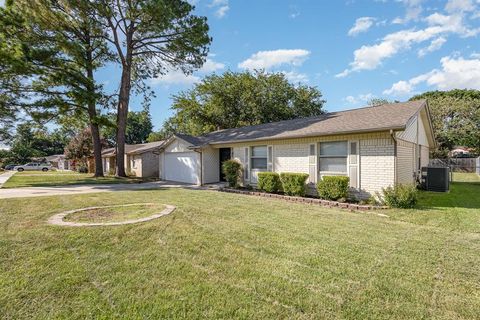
377	157
291	158
377	165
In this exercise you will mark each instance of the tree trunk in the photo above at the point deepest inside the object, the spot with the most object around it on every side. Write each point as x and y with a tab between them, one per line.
92	115
122	113
97	149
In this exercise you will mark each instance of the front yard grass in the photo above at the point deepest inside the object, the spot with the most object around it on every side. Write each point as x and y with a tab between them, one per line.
60	178
223	255
456	210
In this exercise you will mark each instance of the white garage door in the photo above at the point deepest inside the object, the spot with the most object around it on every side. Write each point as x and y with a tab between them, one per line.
182	167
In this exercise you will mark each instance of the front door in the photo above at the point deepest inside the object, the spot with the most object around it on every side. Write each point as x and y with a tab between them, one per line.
225	154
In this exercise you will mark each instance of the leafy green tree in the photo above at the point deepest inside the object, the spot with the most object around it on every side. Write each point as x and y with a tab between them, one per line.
150	38
236	99
49	54
156	136
32	141
455	118
80	148
379	101
139	127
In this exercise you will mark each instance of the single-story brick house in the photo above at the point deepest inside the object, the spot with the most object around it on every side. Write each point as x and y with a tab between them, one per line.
141	160
375	146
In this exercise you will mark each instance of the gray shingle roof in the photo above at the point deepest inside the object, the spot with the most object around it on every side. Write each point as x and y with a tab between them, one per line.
368	119
134	148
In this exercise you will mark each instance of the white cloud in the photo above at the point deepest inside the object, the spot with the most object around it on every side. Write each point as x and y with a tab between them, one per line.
222	11
412	12
361	25
369	57
435	45
177	77
361	98
211	66
400	88
294	12
275	58
221	7
2	2
296	77
456	73
459	6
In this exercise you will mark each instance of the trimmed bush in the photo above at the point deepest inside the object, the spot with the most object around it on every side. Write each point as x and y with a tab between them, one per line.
232	170
401	196
269	182
82	169
333	187
293	184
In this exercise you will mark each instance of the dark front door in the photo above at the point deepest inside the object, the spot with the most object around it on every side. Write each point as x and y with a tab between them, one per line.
225	154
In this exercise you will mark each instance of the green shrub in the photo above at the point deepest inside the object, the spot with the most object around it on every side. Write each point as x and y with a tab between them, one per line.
333	187
293	184
400	196
232	170
82	169
269	182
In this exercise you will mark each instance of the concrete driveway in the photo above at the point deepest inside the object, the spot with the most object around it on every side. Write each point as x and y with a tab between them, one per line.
5	176
95	188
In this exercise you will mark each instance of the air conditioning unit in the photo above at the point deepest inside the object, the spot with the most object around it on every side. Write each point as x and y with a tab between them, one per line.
437	179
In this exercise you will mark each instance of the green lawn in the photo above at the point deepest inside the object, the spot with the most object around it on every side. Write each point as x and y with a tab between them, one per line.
60	178
223	256
456	210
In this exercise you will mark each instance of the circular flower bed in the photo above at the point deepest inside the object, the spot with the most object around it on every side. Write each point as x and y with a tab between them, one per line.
111	215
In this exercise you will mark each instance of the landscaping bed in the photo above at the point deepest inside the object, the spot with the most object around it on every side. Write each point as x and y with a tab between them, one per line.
308	200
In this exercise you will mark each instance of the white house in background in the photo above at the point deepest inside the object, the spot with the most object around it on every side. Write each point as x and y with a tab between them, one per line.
375	146
141	160
60	162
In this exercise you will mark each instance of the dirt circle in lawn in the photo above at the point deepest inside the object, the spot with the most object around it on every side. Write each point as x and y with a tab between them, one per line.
112	215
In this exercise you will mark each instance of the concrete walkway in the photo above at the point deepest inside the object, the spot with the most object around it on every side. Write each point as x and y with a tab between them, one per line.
28	192
5	176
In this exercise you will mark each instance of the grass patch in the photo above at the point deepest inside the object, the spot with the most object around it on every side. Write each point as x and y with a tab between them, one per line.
223	255
60	178
455	210
115	213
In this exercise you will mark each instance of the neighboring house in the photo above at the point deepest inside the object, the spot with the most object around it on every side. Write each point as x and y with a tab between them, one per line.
140	159
375	146
60	162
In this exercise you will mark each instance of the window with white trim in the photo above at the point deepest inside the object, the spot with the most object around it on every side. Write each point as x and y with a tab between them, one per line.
258	158
333	157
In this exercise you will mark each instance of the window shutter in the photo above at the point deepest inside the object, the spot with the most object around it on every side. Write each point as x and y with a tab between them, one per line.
312	163
246	171
353	165
270	158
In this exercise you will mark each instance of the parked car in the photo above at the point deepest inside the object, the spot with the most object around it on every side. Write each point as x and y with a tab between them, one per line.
11	166
34	166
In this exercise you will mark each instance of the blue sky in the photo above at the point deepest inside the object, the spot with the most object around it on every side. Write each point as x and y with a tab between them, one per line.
351	50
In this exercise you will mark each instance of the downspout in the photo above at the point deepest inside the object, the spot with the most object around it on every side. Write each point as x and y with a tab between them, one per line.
394	138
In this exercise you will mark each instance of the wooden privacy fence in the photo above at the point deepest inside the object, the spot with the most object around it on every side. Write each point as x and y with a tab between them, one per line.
458	164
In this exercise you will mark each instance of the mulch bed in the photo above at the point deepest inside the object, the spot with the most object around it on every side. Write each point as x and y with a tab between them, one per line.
324	203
